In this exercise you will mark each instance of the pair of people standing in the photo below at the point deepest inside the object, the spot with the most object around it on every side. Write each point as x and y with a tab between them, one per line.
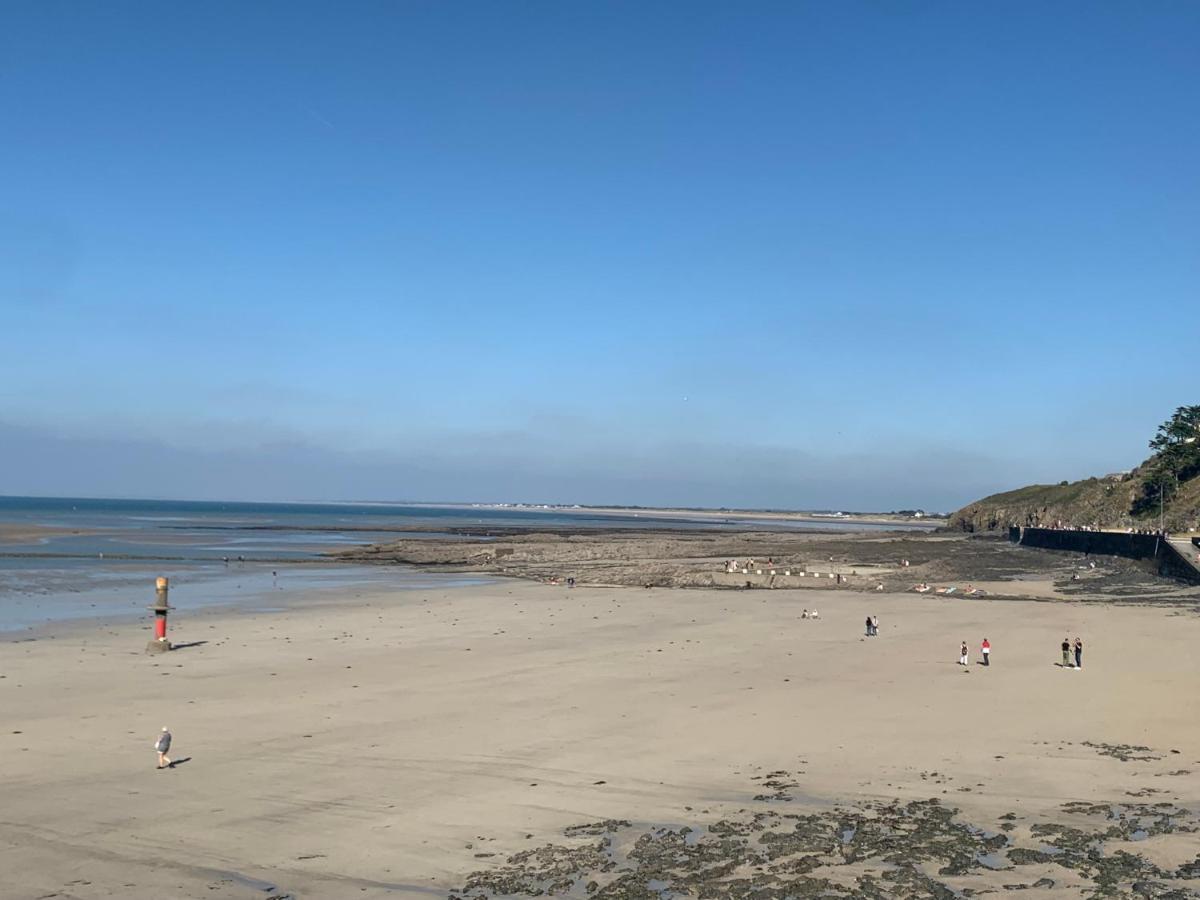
964	655
872	626
1068	648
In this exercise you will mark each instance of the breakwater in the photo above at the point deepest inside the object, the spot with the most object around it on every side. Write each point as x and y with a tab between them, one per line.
1154	550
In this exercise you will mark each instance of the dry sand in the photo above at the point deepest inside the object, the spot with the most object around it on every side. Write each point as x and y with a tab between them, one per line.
381	744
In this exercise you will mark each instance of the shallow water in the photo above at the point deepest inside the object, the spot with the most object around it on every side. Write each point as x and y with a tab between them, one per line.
125	590
104	557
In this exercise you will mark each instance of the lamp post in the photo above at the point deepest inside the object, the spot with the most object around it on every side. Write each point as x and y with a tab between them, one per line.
1162	487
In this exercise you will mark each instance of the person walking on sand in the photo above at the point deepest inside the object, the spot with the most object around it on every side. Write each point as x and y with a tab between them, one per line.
963	655
1066	649
868	626
1078	653
986	648
875	625
162	745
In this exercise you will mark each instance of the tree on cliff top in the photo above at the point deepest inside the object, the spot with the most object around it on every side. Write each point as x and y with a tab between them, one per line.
1176	457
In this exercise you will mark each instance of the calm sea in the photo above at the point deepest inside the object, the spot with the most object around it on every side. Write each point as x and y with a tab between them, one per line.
103	556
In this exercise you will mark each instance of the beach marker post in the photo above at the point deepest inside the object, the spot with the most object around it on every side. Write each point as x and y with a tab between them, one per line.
160	644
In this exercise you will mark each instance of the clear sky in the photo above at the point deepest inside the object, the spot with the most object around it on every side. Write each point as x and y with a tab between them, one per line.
844	254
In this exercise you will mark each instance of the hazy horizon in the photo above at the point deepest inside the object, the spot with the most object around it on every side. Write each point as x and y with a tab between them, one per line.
775	478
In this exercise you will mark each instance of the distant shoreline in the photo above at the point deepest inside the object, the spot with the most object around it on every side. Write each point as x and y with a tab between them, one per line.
711	513
577	508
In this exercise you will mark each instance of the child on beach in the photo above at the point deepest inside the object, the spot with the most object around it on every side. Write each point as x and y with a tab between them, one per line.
963	654
162	745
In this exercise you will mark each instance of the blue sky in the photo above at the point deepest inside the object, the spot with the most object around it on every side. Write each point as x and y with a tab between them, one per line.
861	255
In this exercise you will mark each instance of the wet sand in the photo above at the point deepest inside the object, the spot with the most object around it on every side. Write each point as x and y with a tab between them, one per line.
11	533
393	743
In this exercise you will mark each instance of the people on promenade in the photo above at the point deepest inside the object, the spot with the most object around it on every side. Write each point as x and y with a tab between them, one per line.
1066	650
986	649
161	746
963	657
1078	653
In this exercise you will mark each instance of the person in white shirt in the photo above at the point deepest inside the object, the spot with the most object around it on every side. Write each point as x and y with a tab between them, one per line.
963	655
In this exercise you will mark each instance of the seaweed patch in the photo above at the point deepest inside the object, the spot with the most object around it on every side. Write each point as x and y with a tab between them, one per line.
919	848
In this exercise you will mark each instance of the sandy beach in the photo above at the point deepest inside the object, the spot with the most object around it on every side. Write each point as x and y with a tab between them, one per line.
394	743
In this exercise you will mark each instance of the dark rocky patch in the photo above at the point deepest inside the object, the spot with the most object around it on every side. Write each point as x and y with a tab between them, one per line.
1124	752
918	849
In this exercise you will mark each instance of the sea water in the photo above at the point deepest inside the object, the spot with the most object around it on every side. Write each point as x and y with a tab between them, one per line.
103	555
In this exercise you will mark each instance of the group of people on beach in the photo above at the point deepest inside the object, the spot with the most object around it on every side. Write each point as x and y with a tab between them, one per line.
872	626
1031	521
970	590
748	565
1068	648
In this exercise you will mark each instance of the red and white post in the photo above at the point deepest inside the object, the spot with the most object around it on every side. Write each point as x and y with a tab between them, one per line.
160	644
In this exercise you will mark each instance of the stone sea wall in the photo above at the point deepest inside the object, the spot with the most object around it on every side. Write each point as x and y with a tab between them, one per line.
1148	548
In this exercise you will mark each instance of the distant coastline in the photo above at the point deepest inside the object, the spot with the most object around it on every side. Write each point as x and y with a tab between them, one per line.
916	518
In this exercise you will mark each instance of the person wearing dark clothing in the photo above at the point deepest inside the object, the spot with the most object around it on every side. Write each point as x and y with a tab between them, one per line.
1066	649
1078	653
868	626
161	746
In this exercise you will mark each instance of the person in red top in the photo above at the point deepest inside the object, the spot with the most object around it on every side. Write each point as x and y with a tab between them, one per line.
987	650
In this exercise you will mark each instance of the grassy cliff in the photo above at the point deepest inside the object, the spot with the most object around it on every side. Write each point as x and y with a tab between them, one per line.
1115	501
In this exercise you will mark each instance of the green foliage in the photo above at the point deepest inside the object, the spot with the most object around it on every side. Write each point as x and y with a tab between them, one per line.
1170	477
1177	444
1176	458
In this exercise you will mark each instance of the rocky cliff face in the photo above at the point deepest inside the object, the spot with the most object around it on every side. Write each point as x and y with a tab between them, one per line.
1104	502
